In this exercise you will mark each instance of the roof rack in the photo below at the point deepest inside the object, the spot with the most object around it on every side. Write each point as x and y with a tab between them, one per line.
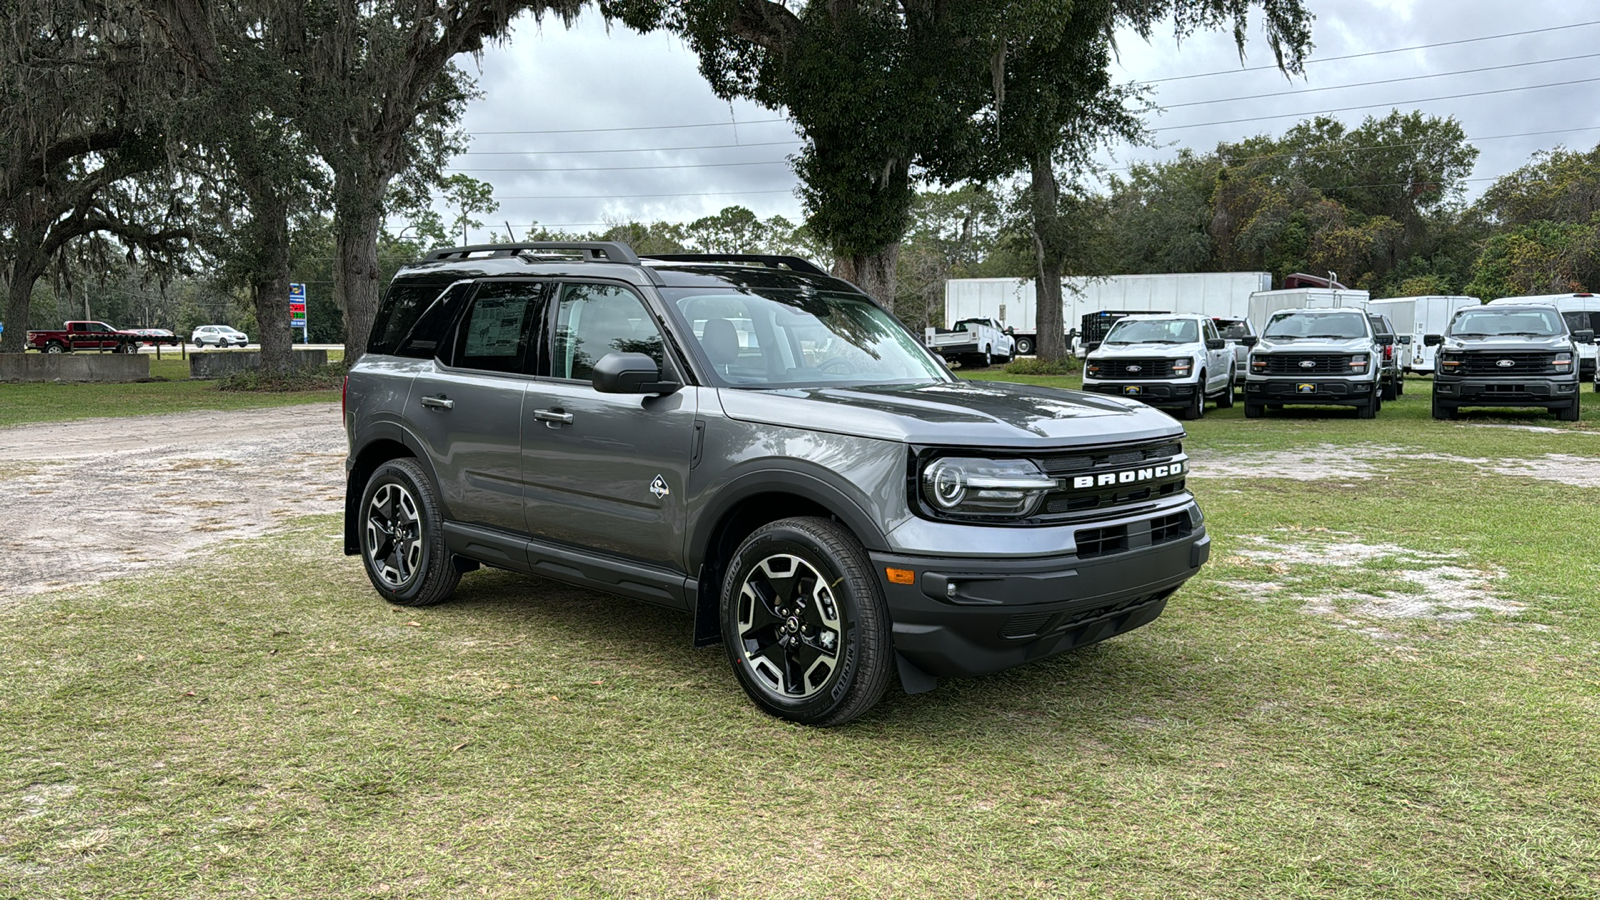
793	263
589	251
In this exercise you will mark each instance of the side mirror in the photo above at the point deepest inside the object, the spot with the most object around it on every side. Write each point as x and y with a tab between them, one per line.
1011	329
630	373
1385	340
1432	340
1583	336
1215	343
1404	339
1250	340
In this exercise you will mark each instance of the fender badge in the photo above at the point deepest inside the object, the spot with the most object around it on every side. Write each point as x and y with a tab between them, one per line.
659	487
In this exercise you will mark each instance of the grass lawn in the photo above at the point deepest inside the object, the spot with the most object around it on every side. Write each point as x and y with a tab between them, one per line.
260	723
169	391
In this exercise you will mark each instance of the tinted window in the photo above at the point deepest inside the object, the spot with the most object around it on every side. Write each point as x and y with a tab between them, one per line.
498	327
1577	321
430	336
402	306
1233	331
595	319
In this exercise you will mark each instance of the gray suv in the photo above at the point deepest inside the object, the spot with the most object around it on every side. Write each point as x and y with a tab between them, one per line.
761	445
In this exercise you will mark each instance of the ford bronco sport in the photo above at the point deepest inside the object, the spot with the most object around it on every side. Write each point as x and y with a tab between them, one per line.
759	444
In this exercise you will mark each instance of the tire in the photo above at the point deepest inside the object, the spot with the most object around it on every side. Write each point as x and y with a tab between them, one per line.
55	347
1253	410
833	618
1399	385
1371	408
1196	408
988	357
1570	412
1025	346
415	569
1443	412
1225	399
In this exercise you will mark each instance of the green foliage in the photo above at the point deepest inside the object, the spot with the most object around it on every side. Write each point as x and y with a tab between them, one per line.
322	378
1035	366
1539	258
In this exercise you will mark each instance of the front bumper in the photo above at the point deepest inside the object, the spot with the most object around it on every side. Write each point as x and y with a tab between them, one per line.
1457	392
971	616
1151	393
1313	391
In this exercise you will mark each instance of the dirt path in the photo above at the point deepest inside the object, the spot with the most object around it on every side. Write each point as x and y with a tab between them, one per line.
102	498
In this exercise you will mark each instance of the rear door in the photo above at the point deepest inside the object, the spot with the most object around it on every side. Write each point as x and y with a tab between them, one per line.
606	472
1217	361
466	408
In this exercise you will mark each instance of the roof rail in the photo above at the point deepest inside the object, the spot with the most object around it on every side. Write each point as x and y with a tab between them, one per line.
794	263
589	251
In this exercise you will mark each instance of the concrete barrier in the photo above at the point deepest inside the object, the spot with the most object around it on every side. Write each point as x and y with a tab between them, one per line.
98	367
221	363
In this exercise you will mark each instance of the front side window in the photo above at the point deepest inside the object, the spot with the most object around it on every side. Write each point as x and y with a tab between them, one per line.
1153	331
1577	321
593	320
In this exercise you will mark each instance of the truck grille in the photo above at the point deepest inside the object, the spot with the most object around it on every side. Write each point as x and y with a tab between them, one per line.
1135	369
1294	364
1522	363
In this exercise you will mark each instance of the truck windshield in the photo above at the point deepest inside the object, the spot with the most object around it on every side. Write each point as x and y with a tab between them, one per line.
1154	331
799	337
1496	322
1296	324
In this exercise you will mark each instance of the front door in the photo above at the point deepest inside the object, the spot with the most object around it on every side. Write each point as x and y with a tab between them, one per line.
606	471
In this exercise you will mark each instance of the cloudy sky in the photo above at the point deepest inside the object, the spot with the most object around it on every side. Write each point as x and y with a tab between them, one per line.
582	127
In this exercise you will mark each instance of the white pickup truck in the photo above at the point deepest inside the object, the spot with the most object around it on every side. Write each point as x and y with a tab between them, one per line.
972	341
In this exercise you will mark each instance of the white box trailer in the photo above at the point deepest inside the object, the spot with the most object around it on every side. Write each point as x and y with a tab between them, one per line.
1418	317
1263	304
1014	302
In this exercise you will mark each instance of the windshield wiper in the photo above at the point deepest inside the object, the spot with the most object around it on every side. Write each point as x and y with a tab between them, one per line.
1339	337
1525	334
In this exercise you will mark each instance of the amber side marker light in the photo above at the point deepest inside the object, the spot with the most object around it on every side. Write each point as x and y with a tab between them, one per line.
901	576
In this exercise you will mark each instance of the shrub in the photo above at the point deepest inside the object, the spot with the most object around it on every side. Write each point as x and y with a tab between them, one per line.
1036	366
317	378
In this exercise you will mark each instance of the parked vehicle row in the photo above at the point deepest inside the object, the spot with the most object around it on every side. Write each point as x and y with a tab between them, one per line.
94	335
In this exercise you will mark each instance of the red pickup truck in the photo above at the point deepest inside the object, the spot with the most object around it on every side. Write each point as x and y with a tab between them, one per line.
85	336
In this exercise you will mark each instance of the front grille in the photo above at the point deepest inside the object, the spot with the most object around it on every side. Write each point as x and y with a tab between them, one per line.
1294	364
1169	528
1109	479
1135	369
1522	363
1024	626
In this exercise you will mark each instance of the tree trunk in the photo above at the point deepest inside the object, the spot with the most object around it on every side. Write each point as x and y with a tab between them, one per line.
357	280
269	282
872	272
1045	203
27	267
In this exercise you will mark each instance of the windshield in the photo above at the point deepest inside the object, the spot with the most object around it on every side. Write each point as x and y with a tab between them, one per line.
800	337
1493	322
1154	331
1296	324
1233	331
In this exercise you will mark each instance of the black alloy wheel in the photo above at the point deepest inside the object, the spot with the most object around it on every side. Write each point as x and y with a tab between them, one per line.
402	536
804	622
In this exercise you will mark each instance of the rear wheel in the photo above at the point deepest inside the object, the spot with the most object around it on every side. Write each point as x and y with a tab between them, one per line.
988	357
804	622
1225	399
1391	389
55	347
1024	345
1399	385
402	536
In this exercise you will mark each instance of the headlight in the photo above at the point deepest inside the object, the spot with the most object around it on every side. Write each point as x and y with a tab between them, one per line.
1258	363
1451	363
1358	361
1092	367
1563	359
1182	366
964	486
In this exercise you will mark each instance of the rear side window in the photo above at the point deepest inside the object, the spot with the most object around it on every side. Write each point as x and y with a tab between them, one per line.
402	307
500	327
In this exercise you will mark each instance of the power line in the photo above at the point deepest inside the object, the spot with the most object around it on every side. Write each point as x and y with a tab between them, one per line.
728	124
1322	112
648	196
1371	53
789	143
1340	87
776	162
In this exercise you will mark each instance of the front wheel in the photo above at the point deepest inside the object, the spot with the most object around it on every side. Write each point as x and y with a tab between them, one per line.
1195	408
804	622
1025	346
1442	412
1569	413
1253	410
402	536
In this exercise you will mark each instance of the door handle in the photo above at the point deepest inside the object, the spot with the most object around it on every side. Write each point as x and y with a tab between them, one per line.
554	416
439	402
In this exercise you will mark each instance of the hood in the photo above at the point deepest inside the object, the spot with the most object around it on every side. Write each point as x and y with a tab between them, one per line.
1143	351
1316	345
1503	344
955	414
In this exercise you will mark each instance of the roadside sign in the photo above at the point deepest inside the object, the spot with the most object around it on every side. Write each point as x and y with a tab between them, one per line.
297	309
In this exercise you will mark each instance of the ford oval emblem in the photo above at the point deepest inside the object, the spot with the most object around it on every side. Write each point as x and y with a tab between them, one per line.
1506	363
1133	368
1308	364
